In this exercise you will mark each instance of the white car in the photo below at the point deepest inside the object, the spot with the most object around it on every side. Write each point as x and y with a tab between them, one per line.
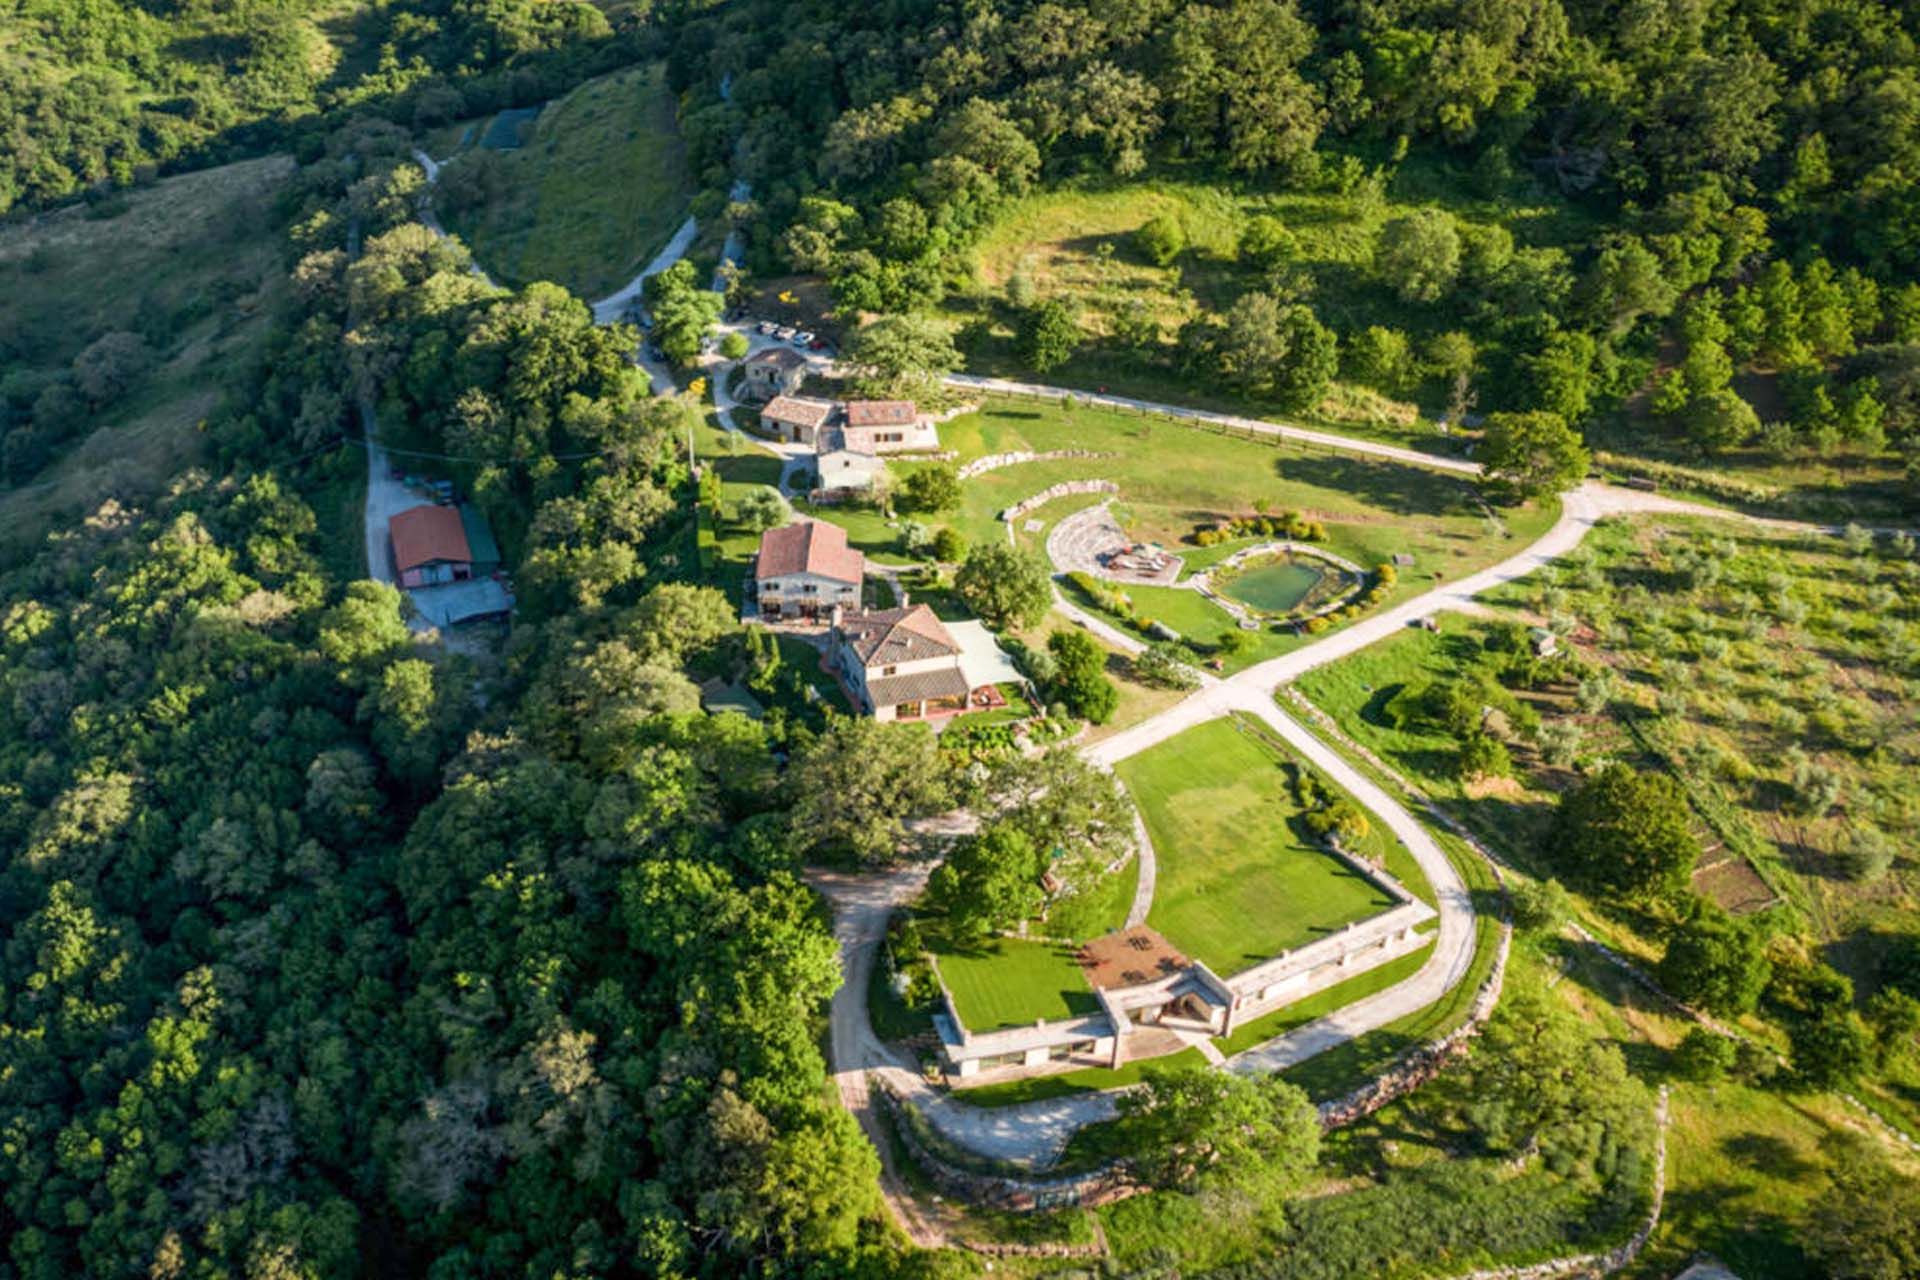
783	333
802	339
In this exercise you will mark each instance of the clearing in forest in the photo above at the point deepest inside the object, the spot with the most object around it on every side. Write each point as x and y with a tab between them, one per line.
598	185
189	267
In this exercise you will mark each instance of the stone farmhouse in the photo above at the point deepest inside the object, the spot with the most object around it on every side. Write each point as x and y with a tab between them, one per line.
807	571
861	426
1144	985
905	664
774	371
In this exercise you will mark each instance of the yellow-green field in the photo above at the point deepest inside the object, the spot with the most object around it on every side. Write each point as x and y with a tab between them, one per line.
192	263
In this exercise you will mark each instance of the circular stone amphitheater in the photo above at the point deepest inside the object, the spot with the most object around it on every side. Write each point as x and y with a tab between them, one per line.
1092	541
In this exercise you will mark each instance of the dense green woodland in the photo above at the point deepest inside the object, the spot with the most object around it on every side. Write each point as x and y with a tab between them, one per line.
331	954
328	955
1749	172
101	91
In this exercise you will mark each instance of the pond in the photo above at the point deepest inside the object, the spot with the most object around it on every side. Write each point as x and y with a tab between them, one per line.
1274	587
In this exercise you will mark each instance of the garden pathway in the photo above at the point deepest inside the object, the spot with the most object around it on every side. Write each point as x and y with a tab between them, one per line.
1098	626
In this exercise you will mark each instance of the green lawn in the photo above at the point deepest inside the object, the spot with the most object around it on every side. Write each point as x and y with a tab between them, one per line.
1005	982
1237	884
597	190
1009	1093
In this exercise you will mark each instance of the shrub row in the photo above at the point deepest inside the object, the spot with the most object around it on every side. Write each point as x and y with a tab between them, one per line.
1288	524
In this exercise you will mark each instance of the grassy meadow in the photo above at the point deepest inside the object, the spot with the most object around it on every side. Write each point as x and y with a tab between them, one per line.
598	188
1074	242
191	264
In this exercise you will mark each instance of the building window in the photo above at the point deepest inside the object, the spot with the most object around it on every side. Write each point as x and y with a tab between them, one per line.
808	588
887	671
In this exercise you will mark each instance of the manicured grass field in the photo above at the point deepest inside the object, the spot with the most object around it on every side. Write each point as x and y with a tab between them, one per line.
597	190
1005	982
1237	883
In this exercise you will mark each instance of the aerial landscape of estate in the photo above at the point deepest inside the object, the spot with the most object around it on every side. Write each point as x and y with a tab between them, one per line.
1100	639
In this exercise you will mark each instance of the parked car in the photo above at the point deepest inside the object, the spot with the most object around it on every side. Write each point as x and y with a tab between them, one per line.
764	327
803	339
783	333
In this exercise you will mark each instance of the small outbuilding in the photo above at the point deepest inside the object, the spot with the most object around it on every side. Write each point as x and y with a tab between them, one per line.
844	471
433	545
774	371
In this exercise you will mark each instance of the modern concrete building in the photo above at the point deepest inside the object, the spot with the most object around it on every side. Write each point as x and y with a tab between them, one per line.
1143	983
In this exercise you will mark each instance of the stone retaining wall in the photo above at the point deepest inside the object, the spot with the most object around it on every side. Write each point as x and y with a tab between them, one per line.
1619	1256
995	461
1416	1066
1061	490
1100	1186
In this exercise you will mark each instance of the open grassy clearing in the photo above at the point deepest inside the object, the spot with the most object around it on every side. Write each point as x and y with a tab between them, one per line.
192	266
599	186
1075	243
1238	883
1011	982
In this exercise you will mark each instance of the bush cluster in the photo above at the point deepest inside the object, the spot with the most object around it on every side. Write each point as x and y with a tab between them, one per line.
1288	524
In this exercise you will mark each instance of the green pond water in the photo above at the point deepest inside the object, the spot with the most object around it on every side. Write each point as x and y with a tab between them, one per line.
1274	588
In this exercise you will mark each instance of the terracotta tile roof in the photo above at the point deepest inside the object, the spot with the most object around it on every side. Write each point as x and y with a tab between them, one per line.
422	535
883	637
811	546
778	357
891	691
881	413
800	409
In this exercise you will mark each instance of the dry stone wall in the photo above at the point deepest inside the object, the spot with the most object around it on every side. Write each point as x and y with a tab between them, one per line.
1061	490
995	461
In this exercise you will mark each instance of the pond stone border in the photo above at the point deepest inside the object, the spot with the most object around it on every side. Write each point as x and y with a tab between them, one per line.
1248	618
